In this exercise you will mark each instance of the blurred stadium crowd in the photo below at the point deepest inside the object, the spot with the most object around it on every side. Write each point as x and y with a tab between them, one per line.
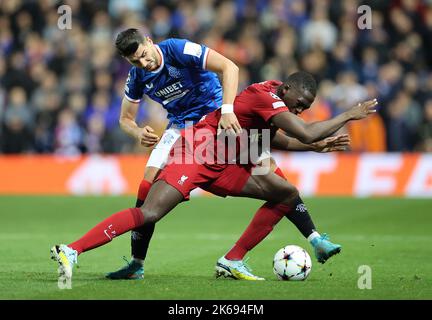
60	90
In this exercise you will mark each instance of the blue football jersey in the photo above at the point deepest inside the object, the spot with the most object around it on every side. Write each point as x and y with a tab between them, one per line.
181	84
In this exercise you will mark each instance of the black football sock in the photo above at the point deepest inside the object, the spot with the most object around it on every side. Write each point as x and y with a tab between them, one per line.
140	237
140	240
300	217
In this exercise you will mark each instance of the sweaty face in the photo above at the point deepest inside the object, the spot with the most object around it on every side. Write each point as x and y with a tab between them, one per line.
297	100
146	56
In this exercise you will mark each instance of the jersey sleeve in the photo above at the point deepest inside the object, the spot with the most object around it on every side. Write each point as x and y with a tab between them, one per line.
133	90
269	105
187	53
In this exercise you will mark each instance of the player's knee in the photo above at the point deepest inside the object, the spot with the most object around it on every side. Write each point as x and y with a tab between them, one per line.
290	193
283	193
286	193
150	216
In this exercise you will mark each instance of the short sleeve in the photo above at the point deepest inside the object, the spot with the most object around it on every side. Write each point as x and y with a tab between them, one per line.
269	105
133	90
187	53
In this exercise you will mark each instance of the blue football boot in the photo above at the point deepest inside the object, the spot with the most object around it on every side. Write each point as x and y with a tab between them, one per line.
131	271
324	249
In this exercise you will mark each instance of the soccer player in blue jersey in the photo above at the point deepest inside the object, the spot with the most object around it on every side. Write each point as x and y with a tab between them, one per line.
181	76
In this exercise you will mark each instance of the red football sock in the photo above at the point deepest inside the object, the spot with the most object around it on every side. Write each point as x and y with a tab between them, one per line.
106	230
144	189
261	225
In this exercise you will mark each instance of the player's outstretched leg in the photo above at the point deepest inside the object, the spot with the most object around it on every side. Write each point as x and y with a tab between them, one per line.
102	233
140	239
162	199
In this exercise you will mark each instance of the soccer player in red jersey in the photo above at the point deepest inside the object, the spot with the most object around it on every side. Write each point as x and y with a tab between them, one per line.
270	106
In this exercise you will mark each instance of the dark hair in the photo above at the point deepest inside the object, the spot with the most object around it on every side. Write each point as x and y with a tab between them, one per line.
127	41
302	81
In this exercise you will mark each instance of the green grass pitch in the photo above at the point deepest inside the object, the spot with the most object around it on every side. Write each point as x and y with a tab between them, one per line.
392	236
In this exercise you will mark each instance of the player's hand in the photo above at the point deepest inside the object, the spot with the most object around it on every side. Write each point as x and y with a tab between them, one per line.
147	138
229	122
363	109
330	144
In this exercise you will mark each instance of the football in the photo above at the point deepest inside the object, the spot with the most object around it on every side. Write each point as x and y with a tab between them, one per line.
292	263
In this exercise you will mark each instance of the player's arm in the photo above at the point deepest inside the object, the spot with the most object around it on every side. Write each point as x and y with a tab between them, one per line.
337	143
128	124
230	75
311	132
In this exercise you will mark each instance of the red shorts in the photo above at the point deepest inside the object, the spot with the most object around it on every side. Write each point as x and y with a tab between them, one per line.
226	181
220	179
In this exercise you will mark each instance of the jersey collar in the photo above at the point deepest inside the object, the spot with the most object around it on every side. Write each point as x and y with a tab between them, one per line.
162	62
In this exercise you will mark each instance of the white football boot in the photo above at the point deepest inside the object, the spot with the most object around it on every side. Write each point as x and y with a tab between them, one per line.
66	257
236	269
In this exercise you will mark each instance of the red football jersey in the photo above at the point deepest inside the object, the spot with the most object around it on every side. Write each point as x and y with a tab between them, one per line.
254	106
204	159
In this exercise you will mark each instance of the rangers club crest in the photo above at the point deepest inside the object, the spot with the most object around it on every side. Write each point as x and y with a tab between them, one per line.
174	72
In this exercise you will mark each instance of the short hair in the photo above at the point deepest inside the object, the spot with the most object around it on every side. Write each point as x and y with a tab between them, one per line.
127	41
302	81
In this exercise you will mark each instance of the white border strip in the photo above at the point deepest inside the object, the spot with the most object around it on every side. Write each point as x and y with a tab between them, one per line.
163	60
206	52
132	100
